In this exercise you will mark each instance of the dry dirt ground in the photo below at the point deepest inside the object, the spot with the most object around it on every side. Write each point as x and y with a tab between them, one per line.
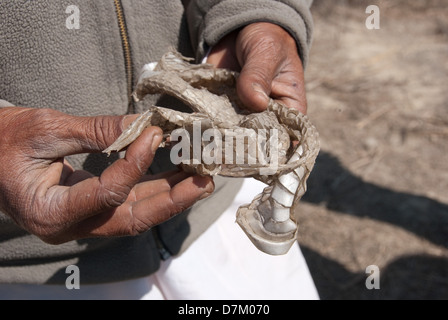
378	193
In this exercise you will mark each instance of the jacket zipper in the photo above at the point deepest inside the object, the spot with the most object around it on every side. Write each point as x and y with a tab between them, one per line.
163	251
126	53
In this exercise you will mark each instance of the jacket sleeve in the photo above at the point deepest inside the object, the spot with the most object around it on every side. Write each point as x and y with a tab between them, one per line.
210	20
4	103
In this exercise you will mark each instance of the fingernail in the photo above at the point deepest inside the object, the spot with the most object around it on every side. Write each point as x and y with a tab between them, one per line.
208	190
156	140
205	195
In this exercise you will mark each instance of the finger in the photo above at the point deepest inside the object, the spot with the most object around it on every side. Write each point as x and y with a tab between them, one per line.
66	172
223	54
70	176
161	175
255	81
289	89
150	187
97	133
111	189
75	177
180	197
135	217
74	134
48	134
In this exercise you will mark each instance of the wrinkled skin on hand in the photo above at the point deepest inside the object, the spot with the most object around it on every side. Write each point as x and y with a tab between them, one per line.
267	58
44	195
271	76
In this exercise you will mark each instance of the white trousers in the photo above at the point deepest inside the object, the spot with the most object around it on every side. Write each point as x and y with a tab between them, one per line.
221	264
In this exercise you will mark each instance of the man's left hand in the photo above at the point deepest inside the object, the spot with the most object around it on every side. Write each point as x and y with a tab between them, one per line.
266	56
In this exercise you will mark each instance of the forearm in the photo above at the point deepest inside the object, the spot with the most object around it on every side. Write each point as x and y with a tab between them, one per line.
210	20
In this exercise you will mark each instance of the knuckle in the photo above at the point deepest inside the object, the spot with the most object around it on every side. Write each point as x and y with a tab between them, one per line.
139	226
176	207
138	223
134	167
111	193
113	197
104	129
99	131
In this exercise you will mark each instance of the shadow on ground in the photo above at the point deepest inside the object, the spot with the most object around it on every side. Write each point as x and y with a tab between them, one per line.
339	190
420	276
401	279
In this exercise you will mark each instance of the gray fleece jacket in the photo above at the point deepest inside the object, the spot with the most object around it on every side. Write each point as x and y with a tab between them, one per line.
82	71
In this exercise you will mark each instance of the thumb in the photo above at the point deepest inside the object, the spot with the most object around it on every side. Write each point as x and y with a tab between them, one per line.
52	134
75	134
255	82
260	59
111	189
93	134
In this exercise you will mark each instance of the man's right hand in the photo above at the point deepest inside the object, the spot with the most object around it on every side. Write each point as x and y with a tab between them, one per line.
44	195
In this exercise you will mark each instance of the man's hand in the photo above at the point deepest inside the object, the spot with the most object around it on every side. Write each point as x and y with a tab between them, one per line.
43	194
270	66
